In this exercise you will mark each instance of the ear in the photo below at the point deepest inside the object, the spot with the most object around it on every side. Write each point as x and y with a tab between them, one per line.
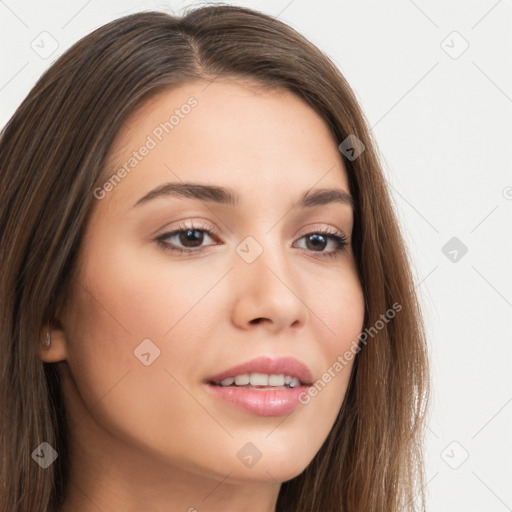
58	348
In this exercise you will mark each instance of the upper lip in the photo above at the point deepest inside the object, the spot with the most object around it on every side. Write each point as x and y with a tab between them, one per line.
270	366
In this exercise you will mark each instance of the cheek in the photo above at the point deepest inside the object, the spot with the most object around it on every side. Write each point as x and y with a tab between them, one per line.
341	309
120	311
125	313
138	402
144	295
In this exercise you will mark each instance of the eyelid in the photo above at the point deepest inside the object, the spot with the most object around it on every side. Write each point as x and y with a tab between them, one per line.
182	225
318	226
315	227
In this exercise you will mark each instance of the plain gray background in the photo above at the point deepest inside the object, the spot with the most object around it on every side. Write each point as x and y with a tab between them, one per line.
434	80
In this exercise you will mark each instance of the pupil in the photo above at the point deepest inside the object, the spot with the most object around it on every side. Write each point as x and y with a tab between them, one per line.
195	240
317	240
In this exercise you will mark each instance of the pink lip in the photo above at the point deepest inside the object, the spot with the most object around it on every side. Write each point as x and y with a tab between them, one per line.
264	402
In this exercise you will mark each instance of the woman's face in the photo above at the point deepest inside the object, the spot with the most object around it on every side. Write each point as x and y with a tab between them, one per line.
147	328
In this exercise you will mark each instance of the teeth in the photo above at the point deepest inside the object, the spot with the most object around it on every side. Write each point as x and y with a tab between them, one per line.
258	379
261	379
242	380
294	382
276	380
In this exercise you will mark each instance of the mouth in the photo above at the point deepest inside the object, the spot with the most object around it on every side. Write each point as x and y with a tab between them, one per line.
263	386
259	381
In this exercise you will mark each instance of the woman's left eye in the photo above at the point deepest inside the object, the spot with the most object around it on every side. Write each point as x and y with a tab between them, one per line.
320	239
192	239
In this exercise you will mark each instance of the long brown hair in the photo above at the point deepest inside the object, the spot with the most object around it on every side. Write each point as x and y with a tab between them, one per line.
52	154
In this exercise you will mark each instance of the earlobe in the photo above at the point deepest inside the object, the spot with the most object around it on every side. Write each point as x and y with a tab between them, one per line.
52	345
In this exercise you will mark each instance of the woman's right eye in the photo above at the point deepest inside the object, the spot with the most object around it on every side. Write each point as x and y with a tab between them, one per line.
189	237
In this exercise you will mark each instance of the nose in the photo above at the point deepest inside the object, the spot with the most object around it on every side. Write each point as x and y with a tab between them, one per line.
267	293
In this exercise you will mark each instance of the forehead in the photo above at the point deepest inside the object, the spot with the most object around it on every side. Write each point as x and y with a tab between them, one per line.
230	132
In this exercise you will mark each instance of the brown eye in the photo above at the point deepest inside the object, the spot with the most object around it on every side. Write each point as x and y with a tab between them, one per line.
186	239
191	237
318	241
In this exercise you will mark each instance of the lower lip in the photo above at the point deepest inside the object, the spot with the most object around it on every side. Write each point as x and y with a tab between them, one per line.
264	402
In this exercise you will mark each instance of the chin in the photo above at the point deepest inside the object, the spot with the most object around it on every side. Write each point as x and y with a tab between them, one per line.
268	474
272	468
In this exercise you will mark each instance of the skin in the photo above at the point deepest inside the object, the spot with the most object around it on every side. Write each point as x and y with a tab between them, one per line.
150	437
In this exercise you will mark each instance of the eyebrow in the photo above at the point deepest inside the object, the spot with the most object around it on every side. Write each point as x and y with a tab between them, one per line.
226	196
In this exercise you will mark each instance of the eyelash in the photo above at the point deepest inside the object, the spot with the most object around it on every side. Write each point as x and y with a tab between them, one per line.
339	239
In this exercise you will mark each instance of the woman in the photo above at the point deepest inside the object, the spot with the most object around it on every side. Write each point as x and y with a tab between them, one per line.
206	302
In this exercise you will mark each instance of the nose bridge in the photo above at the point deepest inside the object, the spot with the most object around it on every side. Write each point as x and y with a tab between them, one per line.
266	286
263	255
